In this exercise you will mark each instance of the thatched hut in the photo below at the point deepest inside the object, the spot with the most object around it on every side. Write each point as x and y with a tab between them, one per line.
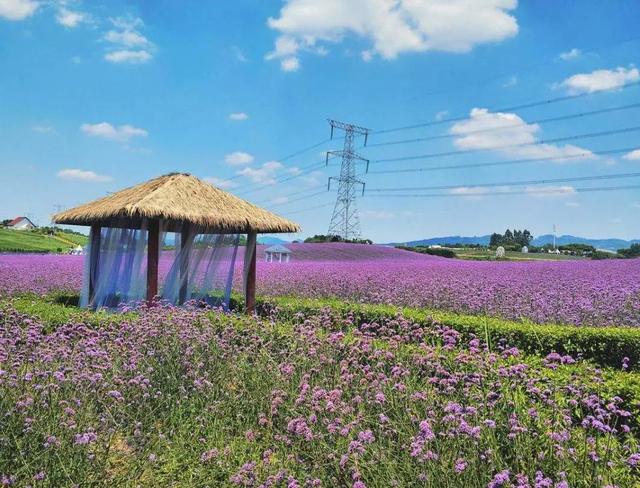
175	203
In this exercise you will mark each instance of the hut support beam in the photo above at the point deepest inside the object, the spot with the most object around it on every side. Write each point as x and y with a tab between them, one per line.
153	255
93	261
250	273
184	264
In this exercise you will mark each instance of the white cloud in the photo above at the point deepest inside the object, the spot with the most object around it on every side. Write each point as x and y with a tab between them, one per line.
601	79
569	55
127	43
378	214
239	54
105	130
294	170
632	156
70	18
550	191
18	9
472	192
220	182
127	38
238	116
290	64
511	82
279	200
312	179
508	134
367	55
392	27
83	175
238	158
128	56
43	129
441	115
265	174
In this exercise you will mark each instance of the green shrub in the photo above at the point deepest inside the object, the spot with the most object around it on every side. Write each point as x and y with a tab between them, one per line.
433	251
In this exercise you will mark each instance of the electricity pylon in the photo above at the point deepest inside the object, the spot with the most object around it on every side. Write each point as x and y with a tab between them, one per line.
345	221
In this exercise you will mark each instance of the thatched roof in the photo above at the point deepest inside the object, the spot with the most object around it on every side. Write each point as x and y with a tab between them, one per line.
177	198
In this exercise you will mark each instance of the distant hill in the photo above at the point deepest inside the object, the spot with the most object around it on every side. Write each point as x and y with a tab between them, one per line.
33	241
610	243
270	240
482	240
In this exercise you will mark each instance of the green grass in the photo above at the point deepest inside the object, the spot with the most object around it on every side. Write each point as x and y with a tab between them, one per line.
33	241
483	254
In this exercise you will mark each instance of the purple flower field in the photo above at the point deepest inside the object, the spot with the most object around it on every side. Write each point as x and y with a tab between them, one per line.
573	292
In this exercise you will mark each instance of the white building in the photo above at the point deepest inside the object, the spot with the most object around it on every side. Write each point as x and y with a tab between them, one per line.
21	223
277	253
77	251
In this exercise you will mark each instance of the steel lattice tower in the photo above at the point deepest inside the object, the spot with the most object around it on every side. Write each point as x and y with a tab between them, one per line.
345	221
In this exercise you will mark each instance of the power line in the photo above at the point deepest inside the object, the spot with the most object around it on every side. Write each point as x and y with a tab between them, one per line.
266	201
582	155
541	191
548	101
309	208
519	70
506	127
287	157
510	146
305	170
324	192
512	183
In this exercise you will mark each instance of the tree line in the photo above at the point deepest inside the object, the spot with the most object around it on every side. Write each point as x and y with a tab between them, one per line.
517	238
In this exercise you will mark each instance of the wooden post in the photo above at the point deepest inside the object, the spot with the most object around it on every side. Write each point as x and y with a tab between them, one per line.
153	254
94	254
250	273
184	264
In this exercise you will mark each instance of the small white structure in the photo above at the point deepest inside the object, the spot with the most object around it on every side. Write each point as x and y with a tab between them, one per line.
500	252
77	251
554	251
21	223
525	249
277	253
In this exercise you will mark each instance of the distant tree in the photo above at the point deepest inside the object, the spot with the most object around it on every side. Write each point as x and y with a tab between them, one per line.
496	240
513	240
632	252
332	238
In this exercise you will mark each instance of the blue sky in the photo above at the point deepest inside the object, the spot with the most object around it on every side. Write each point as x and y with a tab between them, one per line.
99	96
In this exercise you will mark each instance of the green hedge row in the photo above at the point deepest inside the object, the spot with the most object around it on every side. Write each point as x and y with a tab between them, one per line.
605	346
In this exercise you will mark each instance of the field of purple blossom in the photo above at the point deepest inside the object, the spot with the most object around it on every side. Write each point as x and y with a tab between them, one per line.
572	292
179	397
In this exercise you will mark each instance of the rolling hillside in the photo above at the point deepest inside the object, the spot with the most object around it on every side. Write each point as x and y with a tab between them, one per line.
28	241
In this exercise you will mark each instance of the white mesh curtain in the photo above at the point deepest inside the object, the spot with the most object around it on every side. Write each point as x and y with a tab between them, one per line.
200	268
119	270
